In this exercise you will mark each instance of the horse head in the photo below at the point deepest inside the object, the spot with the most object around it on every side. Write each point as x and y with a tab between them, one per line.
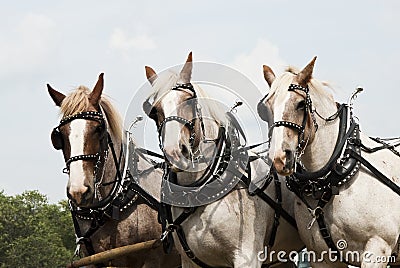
289	112
175	111
82	135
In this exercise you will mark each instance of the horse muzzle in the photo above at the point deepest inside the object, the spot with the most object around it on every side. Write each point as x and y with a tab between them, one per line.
80	196
284	162
177	158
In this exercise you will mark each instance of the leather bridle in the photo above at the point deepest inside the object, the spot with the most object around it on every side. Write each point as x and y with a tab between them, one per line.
189	124
57	140
265	115
98	158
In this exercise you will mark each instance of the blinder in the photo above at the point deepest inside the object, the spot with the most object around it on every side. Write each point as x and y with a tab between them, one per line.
56	136
149	110
56	139
264	111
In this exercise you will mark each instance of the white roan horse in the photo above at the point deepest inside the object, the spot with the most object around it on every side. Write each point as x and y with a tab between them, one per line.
88	132
361	213
231	231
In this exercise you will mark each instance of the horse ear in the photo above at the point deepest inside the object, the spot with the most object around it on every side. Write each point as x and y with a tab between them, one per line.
57	97
306	74
268	75
186	72
95	95
150	74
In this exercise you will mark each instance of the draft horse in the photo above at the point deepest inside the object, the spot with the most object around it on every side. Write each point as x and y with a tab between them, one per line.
347	184
199	141
108	211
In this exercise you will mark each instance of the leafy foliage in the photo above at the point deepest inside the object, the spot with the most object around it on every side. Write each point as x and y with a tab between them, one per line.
34	233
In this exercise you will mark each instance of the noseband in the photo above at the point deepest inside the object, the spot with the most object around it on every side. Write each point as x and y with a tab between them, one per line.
189	124
58	141
302	142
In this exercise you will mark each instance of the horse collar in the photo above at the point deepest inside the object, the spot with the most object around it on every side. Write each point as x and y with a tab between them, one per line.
340	167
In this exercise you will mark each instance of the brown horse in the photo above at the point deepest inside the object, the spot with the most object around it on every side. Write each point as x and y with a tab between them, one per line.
107	210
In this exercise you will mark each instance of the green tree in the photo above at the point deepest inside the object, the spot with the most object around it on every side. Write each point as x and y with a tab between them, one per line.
34	233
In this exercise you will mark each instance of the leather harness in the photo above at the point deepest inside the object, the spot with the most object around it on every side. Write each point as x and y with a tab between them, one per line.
344	163
124	193
233	151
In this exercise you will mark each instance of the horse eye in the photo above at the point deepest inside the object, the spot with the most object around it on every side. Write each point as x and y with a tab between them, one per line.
301	105
99	129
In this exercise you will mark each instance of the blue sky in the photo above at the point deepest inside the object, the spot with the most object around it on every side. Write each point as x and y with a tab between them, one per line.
68	43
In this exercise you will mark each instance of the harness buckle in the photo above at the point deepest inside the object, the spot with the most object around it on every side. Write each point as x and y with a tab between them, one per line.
190	254
77	251
314	213
168	229
78	242
164	235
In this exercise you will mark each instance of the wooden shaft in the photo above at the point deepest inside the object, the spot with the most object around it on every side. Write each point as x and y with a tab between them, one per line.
115	253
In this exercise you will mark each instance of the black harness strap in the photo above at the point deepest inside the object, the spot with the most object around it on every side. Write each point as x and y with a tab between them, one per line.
176	226
85	239
319	216
278	192
151	153
379	175
149	199
385	145
276	206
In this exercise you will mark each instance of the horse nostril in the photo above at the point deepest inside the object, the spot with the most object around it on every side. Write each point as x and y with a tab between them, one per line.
289	159
79	196
289	154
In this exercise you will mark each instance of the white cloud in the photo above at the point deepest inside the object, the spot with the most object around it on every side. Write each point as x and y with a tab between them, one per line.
251	63
29	44
120	40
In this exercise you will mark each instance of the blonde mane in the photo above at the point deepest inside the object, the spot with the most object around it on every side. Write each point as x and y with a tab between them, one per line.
78	101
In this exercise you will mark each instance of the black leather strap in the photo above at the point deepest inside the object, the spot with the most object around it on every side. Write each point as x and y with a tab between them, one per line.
277	207
189	253
379	175
278	192
168	227
323	229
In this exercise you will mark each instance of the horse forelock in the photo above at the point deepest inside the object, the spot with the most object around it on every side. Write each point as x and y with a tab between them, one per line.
318	89
75	102
162	85
78	101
